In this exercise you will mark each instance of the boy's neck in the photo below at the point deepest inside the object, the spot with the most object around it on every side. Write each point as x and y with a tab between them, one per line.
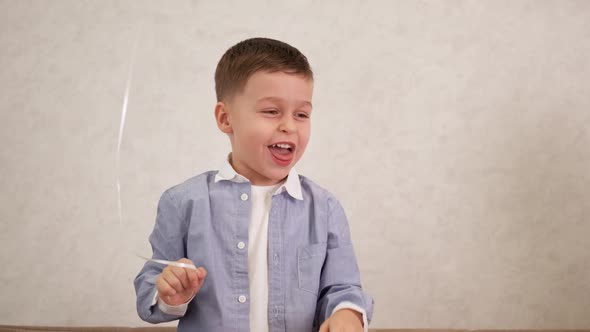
257	183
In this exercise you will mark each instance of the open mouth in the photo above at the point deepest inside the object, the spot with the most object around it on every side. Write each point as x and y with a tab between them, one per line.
282	148
282	153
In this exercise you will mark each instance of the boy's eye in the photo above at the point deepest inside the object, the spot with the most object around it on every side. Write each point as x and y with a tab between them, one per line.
303	115
270	112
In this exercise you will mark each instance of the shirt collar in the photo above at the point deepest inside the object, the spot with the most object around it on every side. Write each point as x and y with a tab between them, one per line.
292	184
227	173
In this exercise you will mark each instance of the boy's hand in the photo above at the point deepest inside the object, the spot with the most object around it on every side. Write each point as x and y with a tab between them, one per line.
343	320
176	285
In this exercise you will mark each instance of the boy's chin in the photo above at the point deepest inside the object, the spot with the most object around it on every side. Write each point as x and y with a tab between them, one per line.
278	176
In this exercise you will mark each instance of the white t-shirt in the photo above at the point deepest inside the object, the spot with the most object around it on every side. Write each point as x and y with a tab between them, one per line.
261	198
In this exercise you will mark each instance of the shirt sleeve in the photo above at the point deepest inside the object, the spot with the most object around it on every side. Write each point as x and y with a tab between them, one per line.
340	279
176	310
167	241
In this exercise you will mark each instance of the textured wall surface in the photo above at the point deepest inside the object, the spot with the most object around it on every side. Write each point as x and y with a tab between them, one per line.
455	134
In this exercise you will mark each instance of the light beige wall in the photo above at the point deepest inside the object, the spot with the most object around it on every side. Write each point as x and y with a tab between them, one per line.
455	133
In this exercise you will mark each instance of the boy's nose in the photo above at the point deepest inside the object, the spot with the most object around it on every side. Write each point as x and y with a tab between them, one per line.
287	126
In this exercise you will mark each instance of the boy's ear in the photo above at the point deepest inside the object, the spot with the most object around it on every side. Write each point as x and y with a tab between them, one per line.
222	117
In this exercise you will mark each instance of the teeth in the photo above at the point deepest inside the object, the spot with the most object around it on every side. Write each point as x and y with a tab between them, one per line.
282	146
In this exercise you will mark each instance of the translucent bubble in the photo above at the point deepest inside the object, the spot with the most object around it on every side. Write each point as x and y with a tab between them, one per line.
122	123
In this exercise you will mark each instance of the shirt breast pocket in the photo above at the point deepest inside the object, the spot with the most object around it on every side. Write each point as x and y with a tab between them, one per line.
310	260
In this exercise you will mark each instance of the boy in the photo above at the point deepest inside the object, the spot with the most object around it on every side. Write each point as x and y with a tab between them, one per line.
273	248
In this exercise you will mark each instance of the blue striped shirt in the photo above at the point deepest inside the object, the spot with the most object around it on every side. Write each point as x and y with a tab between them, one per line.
311	263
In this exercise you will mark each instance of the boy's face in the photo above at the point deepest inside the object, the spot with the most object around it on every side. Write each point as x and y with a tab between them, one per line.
268	124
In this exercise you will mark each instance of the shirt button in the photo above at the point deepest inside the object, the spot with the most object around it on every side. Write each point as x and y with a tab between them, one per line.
244	197
241	245
241	299
275	258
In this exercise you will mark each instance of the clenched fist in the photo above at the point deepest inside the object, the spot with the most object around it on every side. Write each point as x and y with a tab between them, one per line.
177	285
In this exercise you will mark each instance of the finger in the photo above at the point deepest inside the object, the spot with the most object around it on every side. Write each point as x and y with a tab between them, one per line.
164	289
186	261
196	282
173	281
192	276
324	327
182	276
196	276
202	273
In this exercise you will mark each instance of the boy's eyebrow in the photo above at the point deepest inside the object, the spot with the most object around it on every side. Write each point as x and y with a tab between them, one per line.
278	100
